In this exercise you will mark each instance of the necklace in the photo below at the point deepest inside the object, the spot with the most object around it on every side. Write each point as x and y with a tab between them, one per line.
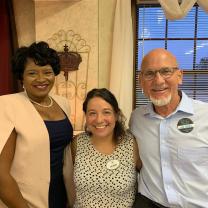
44	106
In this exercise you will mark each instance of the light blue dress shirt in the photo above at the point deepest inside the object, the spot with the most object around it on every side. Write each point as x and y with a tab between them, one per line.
174	152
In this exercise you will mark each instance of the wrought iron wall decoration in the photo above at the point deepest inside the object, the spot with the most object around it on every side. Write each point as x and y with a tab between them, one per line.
69	61
72	83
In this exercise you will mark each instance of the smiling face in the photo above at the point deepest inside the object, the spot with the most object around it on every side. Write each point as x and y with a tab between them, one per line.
161	91
38	80
100	118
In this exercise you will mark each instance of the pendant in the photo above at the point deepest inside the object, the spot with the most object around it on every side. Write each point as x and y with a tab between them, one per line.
112	164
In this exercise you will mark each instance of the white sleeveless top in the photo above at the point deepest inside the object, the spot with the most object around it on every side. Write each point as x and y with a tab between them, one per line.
104	180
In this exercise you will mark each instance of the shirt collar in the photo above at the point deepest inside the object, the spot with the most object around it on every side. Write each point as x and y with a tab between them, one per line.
185	106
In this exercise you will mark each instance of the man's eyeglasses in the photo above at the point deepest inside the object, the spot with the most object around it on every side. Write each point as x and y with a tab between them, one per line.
165	72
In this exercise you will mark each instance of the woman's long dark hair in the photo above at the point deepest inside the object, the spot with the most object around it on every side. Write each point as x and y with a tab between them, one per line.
106	95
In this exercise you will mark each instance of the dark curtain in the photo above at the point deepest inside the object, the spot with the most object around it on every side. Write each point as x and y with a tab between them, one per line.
8	43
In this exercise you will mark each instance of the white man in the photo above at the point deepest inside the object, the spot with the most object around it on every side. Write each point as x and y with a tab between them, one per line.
172	135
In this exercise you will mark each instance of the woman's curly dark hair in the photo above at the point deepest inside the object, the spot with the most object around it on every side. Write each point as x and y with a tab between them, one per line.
106	95
42	55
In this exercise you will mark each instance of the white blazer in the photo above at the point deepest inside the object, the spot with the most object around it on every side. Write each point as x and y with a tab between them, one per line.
31	164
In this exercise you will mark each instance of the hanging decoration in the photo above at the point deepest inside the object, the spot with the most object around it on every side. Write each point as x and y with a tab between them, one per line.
173	10
69	61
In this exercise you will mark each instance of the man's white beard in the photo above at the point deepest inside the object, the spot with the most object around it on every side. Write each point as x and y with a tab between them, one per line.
160	102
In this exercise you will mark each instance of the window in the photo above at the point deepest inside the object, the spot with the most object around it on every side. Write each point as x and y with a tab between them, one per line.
187	39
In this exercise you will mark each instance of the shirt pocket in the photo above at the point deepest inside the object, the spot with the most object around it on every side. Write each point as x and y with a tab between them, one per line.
193	163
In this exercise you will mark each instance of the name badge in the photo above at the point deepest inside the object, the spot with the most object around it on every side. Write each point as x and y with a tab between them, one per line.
112	164
185	125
